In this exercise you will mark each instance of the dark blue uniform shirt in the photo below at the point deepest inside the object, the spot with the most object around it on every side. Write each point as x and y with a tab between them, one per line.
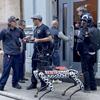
23	34
41	32
10	38
85	44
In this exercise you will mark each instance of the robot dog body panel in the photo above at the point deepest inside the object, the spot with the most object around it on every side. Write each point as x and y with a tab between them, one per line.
47	76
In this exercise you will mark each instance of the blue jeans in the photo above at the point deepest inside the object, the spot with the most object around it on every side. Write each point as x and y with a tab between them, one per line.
56	58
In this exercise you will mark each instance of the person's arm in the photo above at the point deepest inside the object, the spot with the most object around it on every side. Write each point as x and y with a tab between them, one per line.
22	34
29	39
63	37
2	33
48	36
47	39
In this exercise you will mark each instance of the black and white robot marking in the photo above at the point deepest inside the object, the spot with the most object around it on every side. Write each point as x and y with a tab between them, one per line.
47	76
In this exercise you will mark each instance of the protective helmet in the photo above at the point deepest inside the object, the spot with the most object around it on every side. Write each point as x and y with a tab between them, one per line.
87	18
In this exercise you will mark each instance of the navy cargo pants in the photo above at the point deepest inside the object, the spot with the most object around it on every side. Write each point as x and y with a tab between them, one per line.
8	62
87	62
22	66
35	67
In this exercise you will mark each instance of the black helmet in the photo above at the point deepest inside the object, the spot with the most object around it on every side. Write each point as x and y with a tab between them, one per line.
87	18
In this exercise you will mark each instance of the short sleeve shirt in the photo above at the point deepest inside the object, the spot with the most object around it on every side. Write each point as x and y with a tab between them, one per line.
41	32
11	42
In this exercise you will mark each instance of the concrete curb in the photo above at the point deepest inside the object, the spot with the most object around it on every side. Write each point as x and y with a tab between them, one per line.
13	96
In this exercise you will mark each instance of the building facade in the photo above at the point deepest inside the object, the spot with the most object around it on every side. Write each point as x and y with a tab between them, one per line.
65	11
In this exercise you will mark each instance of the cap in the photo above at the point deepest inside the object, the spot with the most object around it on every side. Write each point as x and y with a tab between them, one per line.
12	19
39	17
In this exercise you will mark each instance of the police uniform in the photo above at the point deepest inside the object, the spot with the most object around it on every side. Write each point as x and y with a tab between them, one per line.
88	54
39	32
56	53
11	46
22	58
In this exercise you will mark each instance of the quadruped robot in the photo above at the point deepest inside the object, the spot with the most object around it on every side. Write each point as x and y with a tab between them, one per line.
47	74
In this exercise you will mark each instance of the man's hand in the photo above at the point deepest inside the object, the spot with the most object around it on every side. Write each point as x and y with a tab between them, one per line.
26	39
78	53
36	40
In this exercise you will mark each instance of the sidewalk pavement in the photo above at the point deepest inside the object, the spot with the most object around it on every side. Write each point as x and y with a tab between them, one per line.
59	88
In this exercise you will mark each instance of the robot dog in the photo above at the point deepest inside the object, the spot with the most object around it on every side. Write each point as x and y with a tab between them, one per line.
47	75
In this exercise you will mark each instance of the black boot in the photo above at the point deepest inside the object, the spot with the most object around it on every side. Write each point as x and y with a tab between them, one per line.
17	86
1	88
32	86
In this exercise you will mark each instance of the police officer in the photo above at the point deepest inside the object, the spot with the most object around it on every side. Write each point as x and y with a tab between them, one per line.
41	40
21	26
57	36
87	52
11	46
